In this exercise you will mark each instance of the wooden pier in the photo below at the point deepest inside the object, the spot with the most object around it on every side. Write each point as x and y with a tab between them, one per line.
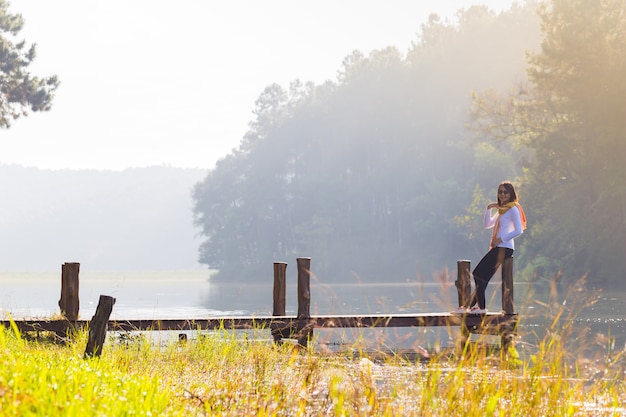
301	326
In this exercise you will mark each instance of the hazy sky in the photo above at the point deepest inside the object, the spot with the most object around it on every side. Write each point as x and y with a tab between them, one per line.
153	82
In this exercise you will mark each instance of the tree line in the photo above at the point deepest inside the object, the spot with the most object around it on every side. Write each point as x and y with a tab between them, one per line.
137	219
384	173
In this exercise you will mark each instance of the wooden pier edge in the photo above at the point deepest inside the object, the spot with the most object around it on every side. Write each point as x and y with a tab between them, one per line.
300	327
474	323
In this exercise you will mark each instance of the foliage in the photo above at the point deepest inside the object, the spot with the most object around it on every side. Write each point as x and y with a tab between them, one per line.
377	175
367	174
571	119
19	91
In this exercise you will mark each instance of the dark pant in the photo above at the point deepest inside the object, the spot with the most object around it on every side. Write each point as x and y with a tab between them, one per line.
485	270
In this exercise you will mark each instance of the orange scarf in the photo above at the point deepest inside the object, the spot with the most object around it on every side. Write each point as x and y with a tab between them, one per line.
501	211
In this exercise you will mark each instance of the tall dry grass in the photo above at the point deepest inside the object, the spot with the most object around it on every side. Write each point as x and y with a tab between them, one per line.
222	373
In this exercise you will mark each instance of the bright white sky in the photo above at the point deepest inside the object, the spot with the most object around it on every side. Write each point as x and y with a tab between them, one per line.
155	82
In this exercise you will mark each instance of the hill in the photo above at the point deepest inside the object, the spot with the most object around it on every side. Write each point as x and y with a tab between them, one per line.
136	219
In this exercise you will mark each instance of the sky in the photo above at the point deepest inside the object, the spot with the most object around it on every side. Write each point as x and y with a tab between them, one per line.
154	82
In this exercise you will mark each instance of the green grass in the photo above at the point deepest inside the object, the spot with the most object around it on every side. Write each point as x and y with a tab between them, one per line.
224	374
221	375
52	380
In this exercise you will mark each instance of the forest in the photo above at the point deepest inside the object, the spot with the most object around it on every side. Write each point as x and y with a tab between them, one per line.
383	174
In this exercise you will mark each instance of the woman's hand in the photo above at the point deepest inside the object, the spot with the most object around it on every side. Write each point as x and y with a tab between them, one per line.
495	242
492	205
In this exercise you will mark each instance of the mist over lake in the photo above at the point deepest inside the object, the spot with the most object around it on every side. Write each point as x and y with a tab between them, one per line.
136	219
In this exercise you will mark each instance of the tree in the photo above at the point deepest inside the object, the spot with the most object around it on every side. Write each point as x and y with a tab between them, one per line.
572	119
366	175
19	91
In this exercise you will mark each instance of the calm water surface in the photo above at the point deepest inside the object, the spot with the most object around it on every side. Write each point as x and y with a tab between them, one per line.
191	294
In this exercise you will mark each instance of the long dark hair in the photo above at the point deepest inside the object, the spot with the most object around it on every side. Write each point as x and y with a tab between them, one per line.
510	188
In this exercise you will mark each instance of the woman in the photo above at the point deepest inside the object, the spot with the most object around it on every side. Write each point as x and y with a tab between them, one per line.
508	222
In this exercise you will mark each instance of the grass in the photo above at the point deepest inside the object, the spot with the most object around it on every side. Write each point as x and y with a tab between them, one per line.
223	374
49	380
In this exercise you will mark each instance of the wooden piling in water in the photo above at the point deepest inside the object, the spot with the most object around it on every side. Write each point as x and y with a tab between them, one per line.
463	286
69	302
508	330
305	330
508	306
280	289
279	302
304	288
301	328
463	282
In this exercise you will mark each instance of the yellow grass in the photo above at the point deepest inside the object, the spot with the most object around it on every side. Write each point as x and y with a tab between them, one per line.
225	374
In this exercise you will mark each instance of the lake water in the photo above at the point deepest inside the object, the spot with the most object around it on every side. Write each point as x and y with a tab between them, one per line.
191	294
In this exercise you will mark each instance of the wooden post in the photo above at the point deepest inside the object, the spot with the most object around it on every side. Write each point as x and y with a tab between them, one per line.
463	283
69	302
280	288
304	288
507	331
305	328
508	305
98	326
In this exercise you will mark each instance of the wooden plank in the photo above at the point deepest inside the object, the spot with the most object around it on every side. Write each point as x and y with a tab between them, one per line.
57	326
474	323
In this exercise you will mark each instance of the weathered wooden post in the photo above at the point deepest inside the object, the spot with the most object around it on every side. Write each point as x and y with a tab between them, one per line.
463	283
98	326
507	331
508	305
304	300
304	288
280	288
279	308
69	302
464	291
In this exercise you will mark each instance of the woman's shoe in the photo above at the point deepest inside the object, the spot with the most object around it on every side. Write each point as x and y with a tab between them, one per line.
459	310
477	310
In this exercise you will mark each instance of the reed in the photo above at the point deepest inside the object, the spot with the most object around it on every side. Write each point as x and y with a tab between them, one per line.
225	373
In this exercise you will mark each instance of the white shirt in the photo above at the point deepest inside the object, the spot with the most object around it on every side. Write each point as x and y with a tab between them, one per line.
510	225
